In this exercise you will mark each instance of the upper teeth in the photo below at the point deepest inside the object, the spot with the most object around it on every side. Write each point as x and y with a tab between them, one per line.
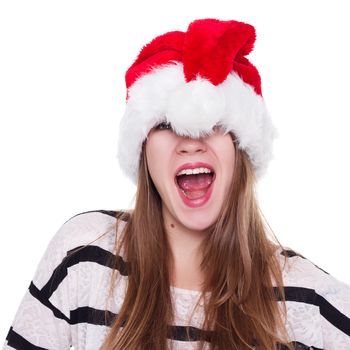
193	171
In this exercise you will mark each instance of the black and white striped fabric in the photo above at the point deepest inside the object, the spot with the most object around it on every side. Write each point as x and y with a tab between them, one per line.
64	306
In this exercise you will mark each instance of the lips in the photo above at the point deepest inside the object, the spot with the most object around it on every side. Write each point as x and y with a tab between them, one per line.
201	192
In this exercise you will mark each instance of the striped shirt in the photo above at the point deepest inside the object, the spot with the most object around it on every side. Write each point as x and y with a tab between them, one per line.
64	306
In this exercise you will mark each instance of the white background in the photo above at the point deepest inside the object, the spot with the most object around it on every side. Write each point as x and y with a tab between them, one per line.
62	94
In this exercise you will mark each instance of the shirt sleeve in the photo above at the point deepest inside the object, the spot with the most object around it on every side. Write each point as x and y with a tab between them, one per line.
42	320
333	299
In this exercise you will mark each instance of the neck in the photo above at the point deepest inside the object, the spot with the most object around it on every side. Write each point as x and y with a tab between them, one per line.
185	256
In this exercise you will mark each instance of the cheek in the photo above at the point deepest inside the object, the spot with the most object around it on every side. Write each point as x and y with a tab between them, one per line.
225	148
157	160
151	160
231	154
227	156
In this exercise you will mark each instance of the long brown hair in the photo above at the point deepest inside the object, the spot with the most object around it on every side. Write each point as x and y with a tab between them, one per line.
239	263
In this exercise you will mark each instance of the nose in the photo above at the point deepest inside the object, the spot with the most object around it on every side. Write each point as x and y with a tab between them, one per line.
187	145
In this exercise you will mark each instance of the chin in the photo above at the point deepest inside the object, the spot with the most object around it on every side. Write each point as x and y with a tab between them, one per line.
199	222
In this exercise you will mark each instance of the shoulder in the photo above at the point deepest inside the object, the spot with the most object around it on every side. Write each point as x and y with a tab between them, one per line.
309	286
300	271
98	226
93	230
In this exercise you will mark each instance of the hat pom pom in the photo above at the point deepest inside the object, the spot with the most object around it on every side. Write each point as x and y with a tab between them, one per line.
195	108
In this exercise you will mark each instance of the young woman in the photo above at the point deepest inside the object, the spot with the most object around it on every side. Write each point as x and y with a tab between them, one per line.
193	265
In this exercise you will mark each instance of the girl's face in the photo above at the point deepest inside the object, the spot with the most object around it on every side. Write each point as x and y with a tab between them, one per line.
191	202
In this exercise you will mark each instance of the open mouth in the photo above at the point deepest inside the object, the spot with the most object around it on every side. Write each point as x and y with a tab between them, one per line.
195	186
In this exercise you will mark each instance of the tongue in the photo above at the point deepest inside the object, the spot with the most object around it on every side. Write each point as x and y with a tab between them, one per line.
195	186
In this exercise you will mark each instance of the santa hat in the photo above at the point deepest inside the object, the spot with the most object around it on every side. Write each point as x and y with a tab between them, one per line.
195	80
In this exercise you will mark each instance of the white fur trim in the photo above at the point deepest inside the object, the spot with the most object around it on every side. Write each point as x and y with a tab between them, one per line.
193	109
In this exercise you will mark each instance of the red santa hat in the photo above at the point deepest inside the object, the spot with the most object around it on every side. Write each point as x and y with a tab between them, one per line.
195	80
